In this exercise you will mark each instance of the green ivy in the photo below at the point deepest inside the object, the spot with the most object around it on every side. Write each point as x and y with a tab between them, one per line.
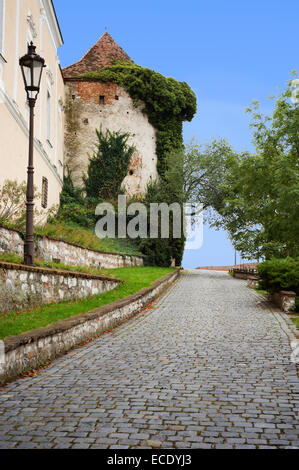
108	166
166	102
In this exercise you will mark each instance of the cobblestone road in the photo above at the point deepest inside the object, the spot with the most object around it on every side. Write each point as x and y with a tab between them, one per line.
208	367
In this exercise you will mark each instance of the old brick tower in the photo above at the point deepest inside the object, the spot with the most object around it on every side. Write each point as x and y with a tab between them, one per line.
92	105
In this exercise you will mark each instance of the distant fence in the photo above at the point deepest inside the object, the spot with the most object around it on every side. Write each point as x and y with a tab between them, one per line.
249	274
247	271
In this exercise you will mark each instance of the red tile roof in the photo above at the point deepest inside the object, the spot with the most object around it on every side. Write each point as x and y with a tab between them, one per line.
103	53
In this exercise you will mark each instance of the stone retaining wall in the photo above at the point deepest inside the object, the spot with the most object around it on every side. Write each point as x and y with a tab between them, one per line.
285	300
253	281
28	350
240	275
50	249
23	287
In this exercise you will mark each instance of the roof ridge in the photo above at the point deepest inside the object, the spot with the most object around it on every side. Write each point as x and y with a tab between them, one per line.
98	56
94	45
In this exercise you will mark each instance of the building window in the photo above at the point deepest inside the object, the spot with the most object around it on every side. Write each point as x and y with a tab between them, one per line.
116	97
102	99
48	116
45	193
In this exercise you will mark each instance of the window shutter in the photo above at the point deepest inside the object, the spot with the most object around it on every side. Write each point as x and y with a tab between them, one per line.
45	193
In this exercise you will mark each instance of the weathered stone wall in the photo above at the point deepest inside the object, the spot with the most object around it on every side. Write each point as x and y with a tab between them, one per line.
285	300
28	350
84	114
11	241
49	249
23	287
253	281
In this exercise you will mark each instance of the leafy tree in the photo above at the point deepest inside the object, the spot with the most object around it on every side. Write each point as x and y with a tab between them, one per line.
261	207
108	166
254	196
169	190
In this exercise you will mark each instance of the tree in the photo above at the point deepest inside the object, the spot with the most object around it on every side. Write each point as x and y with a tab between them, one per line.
255	196
262	209
108	166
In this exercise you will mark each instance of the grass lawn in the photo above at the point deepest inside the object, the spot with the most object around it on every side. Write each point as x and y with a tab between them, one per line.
260	291
296	321
86	237
135	278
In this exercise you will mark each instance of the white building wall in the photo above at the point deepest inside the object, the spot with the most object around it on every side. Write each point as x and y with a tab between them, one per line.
23	21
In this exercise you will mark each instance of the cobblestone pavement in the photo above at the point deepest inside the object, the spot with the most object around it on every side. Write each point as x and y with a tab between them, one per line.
208	367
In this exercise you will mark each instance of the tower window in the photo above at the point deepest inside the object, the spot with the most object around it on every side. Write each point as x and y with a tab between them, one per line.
44	193
102	99
116	97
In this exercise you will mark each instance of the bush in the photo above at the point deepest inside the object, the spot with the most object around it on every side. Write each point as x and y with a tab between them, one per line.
13	205
279	274
157	252
109	165
74	208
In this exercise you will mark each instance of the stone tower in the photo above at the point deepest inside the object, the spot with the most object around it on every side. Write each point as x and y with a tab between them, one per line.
92	105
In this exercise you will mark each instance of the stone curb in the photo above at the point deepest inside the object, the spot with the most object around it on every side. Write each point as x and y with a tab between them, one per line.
276	310
28	350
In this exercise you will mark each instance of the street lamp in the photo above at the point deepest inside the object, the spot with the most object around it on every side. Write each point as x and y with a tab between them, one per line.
32	66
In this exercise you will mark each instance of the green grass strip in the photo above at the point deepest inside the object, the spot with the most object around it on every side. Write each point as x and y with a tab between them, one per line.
136	278
296	321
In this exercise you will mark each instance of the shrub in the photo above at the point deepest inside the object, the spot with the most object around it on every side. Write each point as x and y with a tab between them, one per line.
74	208
109	165
279	274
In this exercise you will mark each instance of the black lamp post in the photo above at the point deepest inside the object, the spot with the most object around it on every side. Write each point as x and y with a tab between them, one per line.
32	67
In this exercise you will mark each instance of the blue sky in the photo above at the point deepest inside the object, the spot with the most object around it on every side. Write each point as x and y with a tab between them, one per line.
230	53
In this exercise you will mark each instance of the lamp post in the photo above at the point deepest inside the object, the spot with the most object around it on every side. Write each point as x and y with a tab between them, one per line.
32	66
